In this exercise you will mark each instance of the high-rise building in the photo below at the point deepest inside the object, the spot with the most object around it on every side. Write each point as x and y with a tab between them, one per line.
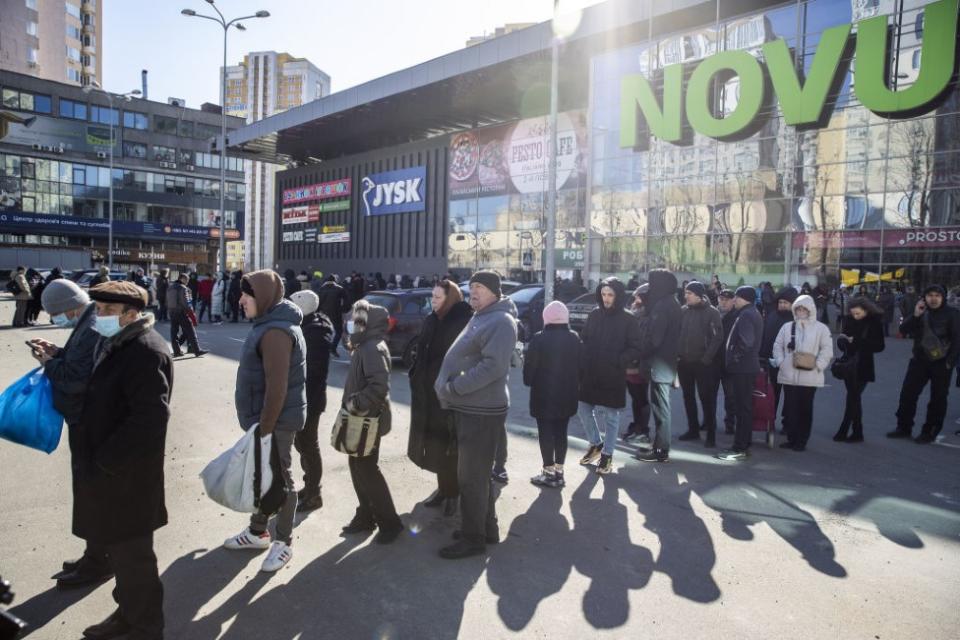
264	84
59	40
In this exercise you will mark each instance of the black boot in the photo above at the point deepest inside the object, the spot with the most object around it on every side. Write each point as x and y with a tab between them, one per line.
841	434
435	500
711	440
113	627
857	435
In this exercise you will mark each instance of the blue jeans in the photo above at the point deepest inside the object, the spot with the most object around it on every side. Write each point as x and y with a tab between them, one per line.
590	417
660	404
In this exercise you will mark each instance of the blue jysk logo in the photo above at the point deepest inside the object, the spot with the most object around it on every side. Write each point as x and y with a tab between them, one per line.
400	191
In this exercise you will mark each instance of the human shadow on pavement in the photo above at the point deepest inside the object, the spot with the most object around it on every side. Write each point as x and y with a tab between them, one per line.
687	553
359	589
535	563
195	578
601	550
39	610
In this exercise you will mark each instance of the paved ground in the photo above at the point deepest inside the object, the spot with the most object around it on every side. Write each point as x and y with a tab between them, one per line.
843	541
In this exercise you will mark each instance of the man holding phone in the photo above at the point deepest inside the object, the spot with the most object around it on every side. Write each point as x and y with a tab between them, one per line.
935	329
69	368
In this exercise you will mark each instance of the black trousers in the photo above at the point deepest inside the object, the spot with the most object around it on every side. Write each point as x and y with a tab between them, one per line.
853	409
139	592
640	406
740	386
798	412
234	310
447	477
180	322
307	444
699	380
729	406
477	443
376	503
337	335
500	460
553	440
205	307
161	311
919	372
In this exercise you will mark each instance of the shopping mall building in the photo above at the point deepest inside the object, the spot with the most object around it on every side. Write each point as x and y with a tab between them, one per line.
811	140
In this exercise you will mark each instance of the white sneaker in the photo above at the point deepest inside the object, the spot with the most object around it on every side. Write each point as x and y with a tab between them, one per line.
280	554
247	540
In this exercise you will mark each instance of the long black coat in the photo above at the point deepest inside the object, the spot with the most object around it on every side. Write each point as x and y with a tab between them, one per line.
430	440
611	343
867	337
318	334
554	384
118	446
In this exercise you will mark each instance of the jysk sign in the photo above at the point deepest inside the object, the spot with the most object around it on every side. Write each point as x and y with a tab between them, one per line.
802	100
400	191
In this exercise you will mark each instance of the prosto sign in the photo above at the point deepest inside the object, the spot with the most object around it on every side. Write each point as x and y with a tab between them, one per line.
802	100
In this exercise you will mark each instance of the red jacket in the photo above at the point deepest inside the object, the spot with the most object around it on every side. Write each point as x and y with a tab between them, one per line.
205	289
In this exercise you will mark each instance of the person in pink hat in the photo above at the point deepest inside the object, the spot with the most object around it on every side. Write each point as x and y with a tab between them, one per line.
554	388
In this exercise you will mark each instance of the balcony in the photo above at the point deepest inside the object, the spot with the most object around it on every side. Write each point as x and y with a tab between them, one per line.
88	6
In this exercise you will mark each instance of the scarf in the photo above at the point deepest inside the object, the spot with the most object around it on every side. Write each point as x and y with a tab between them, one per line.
106	346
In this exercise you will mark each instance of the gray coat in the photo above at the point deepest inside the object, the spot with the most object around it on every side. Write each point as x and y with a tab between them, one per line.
473	377
69	371
367	388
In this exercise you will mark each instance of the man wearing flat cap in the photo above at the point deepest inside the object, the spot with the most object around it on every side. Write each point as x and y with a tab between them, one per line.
741	364
118	450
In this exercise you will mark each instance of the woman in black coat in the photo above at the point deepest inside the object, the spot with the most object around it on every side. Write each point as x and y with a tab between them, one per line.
861	337
554	386
432	445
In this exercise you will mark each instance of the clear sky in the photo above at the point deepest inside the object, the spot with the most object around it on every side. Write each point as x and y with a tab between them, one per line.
351	40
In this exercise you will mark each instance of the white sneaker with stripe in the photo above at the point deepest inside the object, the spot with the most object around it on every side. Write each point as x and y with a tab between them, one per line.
280	554
247	540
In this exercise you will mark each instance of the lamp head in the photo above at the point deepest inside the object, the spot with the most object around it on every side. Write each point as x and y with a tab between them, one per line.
262	14
240	27
188	12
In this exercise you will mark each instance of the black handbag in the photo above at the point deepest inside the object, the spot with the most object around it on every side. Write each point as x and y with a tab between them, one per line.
845	368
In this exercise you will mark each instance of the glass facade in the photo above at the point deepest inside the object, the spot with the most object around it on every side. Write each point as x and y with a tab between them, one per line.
860	198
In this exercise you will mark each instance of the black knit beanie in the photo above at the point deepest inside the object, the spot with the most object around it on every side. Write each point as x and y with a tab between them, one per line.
489	279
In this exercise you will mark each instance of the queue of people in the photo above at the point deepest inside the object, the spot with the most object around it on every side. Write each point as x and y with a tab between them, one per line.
113	382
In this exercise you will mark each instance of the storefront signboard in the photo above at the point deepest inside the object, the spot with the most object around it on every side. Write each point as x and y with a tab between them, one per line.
320	191
293	236
300	215
802	100
66	225
400	191
330	238
926	238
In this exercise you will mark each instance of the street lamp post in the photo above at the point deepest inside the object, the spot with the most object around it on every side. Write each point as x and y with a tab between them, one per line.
126	97
549	265
225	24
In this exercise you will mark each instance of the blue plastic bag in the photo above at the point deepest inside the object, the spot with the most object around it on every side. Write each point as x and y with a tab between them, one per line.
27	415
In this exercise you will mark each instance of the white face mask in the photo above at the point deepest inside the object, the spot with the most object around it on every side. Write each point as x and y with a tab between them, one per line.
63	321
350	326
107	326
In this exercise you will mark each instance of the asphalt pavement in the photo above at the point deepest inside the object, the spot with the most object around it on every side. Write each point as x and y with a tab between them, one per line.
841	541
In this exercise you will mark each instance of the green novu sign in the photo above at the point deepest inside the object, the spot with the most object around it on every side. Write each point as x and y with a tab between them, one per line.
802	100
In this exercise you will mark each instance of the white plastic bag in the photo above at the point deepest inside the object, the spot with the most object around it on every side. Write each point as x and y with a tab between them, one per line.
228	479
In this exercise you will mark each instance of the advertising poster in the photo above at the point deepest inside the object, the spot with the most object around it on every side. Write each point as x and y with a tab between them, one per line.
320	191
512	158
400	191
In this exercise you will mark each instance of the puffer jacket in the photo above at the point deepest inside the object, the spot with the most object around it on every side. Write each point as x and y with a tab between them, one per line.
809	336
366	391
611	344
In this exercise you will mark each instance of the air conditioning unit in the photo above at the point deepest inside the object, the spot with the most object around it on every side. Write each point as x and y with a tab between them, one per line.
59	149
189	167
37	146
168	165
101	154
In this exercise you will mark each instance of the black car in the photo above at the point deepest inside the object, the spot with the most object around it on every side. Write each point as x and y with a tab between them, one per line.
529	301
408	309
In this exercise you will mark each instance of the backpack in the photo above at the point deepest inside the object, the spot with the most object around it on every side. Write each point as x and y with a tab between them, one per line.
14	288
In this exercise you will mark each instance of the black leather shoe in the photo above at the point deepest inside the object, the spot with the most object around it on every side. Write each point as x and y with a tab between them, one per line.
434	501
201	353
386	536
358	526
899	433
690	435
925	438
462	549
491	539
113	627
310	503
83	572
450	507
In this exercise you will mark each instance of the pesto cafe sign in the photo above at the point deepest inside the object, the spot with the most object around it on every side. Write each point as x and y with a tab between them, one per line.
802	100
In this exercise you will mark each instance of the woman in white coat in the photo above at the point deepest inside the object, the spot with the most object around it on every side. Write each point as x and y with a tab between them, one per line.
802	351
219	291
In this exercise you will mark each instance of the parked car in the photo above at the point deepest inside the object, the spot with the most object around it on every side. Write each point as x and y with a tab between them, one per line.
580	308
408	309
84	280
529	301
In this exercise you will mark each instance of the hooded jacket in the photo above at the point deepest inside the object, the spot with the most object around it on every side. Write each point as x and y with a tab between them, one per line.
808	336
271	378
318	336
611	344
553	383
701	334
69	371
945	324
366	391
334	301
473	376
774	321
661	343
741	354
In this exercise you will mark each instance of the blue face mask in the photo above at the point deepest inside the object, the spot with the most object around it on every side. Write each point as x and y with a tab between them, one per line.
63	321
107	326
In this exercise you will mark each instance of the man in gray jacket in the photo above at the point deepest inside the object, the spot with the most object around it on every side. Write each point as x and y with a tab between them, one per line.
69	368
473	384
178	306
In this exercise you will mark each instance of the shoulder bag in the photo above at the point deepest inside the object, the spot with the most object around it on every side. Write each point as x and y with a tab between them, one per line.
934	348
802	360
355	435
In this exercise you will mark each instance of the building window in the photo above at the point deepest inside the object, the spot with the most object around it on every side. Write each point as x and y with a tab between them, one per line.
164	154
916	59
31	28
73	10
163	124
204	131
32	4
13	99
71	109
73	32
134	120
89	40
918	26
88	60
33	55
73	54
73	75
104	115
135	150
